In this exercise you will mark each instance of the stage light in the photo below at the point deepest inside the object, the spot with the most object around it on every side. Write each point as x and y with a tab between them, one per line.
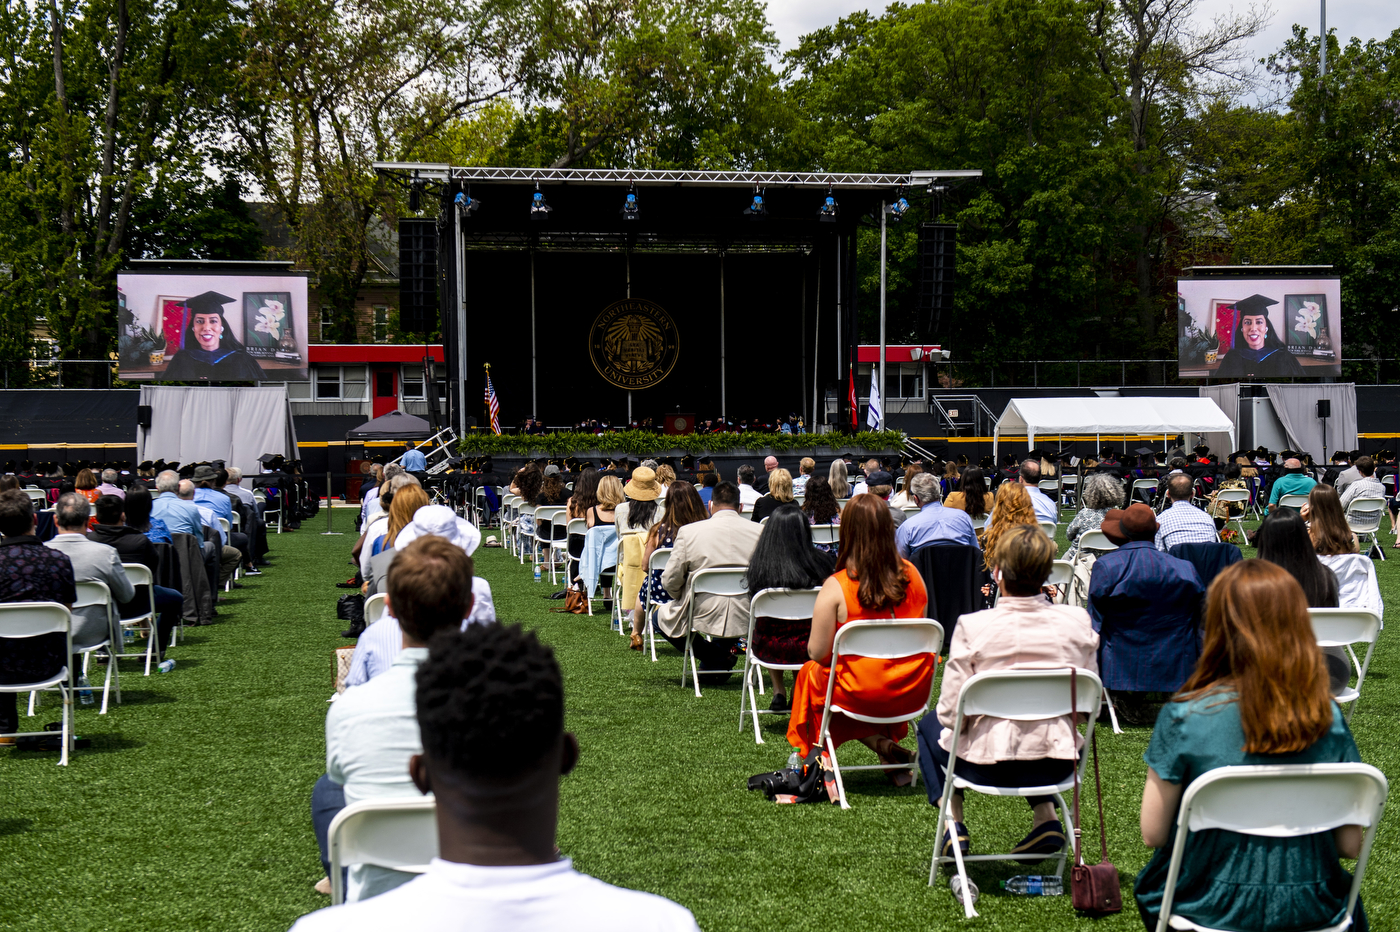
758	207
466	205
829	208
897	209
539	209
629	205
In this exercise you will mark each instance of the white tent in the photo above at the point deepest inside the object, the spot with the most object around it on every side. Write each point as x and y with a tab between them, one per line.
1112	417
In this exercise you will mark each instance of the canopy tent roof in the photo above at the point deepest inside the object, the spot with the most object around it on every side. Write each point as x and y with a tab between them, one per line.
1153	417
392	426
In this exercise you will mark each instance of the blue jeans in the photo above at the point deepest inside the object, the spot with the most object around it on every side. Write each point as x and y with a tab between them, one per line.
327	799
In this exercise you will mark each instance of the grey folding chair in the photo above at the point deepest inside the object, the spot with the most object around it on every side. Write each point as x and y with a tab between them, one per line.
713	581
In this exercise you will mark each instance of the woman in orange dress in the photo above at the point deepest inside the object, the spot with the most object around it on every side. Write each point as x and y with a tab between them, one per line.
871	581
86	485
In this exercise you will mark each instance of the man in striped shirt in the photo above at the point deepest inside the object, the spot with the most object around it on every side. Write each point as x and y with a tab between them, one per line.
1182	522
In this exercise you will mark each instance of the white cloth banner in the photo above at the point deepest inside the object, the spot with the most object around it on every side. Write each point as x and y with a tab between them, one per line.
194	424
873	413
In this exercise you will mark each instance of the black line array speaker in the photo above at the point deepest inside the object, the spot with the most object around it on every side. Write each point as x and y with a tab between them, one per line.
418	286
937	270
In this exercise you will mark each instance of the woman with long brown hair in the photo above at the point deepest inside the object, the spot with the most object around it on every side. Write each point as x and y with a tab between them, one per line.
904	498
86	485
972	495
1013	507
585	494
683	506
1337	548
1327	523
1259	695
870	581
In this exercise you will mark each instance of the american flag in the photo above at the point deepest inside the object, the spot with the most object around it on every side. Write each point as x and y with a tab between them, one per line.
493	404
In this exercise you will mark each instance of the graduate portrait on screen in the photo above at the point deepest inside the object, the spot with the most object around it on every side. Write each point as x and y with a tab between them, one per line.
1256	351
211	352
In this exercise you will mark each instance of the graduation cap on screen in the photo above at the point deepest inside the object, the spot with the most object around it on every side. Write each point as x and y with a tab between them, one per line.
1255	304
211	302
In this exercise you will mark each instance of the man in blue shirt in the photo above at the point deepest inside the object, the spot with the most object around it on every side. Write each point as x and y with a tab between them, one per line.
205	493
180	517
1293	482
934	524
414	460
1044	505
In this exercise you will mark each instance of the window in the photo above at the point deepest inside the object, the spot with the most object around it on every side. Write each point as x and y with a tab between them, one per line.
326	322
339	383
412	384
911	381
381	323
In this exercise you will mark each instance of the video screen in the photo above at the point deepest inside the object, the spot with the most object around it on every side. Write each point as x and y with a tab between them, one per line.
1259	328
211	328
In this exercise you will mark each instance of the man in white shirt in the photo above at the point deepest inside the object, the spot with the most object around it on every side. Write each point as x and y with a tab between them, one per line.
748	495
372	730
1182	522
862	484
1044	505
491	712
1366	485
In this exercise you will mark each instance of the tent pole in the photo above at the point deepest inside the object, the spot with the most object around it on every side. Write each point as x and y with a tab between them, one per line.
723	397
534	400
629	295
816	345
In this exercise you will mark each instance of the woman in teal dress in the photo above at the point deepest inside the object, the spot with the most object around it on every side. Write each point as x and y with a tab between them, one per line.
1259	695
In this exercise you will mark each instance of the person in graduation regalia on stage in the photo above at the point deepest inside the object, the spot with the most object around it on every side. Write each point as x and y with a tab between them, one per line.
211	352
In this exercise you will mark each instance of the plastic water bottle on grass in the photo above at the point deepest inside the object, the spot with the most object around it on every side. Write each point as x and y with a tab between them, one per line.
956	885
165	666
537	572
84	692
1034	885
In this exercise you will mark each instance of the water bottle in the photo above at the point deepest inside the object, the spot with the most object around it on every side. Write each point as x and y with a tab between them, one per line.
129	634
794	761
956	885
1034	885
84	693
537	572
165	666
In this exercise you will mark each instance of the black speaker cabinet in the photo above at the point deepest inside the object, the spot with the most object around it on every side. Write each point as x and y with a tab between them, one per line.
143	416
418	286
1324	407
938	244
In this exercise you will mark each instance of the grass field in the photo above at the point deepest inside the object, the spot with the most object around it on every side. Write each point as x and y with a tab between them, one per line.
191	809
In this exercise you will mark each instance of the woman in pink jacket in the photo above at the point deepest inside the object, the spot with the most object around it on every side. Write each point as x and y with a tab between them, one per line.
1024	630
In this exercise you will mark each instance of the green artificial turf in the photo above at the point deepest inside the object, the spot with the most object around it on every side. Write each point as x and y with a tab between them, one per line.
191	809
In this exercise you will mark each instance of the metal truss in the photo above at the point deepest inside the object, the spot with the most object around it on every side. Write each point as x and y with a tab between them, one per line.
846	180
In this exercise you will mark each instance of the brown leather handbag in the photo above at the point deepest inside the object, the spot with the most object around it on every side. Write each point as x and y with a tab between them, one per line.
575	601
1093	887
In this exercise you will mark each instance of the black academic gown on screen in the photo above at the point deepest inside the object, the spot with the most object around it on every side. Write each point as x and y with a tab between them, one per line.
237	366
1278	364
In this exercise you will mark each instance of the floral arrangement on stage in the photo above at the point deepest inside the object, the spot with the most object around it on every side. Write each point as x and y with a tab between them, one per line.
644	443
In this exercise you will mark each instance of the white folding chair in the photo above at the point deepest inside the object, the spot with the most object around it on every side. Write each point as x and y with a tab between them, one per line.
397	833
878	639
374	608
90	594
1295	502
577	528
1069	491
1364	518
32	619
1237	497
712	581
1344	627
599	530
1144	485
657	563
1095	542
1278	801
826	534
1061	575
1021	696
784	604
225	528
524	529
1050	488
38	498
979	522
841	503
544	537
1049	527
140	575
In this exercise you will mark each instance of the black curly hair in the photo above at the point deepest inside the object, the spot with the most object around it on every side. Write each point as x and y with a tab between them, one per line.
490	701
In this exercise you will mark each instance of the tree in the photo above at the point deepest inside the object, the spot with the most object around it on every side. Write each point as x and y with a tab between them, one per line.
328	87
102	100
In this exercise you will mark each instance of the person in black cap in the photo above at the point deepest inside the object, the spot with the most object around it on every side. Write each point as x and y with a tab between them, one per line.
210	351
1257	351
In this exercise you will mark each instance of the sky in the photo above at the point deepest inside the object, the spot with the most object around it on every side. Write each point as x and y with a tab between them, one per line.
1365	19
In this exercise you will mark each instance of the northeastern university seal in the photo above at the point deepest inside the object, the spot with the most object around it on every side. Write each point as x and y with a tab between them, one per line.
634	343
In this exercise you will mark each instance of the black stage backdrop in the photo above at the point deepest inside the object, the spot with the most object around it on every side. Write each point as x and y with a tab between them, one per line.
768	335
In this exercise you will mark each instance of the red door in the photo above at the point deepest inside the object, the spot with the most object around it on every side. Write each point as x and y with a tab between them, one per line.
386	391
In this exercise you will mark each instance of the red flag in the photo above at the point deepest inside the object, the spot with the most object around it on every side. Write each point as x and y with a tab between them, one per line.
851	397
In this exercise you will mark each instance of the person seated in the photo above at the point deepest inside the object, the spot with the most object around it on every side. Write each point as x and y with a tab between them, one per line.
552	493
1258	695
760	483
1099	493
1337	548
935	523
1024	630
683	507
881	485
805	468
748	495
784	558
490	710
1182	522
1294	481
134	547
904	498
372	729
29	572
779	493
85	484
1366	485
1045	508
1146	607
871	580
92	562
708	480
726	539
1233	478
972	495
110	478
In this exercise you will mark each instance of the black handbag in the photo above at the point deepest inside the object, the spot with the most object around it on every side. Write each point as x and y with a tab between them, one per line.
1093	887
802	784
